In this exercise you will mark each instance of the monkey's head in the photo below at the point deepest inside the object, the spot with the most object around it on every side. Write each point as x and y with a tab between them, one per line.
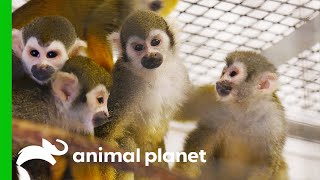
81	89
163	7
246	75
146	41
45	45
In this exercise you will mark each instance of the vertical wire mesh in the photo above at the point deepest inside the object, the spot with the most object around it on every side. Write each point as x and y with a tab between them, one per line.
212	28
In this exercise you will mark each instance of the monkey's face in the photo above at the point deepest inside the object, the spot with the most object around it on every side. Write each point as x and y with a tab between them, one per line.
96	102
85	110
236	84
150	53
90	109
41	62
231	79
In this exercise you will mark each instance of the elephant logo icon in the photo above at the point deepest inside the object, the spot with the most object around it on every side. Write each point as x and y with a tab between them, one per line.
44	152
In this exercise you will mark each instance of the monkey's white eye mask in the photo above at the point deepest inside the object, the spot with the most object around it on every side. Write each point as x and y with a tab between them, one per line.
148	53
234	83
42	61
233	75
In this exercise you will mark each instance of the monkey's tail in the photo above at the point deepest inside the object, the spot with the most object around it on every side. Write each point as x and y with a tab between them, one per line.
22	173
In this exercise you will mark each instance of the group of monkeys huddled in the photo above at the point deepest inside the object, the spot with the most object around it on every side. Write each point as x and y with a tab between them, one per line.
63	81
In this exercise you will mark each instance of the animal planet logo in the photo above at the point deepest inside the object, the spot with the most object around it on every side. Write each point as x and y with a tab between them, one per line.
44	152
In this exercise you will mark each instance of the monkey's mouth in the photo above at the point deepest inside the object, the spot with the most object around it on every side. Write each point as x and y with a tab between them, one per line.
223	88
42	73
100	118
152	61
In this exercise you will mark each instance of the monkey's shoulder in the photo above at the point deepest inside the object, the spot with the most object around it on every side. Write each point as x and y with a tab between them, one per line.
125	79
30	101
17	68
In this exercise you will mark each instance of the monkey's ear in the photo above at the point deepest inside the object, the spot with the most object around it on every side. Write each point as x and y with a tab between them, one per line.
114	39
268	83
65	86
79	48
17	42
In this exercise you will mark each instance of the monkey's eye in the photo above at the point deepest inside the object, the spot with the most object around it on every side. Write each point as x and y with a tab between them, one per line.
233	73
51	54
138	47
155	42
34	53
100	100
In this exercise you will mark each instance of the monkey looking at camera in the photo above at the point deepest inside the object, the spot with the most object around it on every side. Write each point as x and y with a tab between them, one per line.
150	83
76	101
44	45
94	20
244	129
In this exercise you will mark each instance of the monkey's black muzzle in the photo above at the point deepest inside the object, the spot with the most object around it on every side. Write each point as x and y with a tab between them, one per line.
152	61
42	72
223	88
100	118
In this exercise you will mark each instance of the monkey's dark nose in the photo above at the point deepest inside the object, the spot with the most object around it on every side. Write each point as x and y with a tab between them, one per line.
42	72
152	61
100	118
223	88
156	5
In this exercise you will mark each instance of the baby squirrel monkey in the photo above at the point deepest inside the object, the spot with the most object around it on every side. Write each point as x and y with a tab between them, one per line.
76	101
150	83
43	46
94	20
84	96
242	127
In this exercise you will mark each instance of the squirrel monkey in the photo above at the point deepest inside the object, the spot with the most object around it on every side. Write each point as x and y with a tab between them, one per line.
76	101
43	46
150	83
94	20
241	127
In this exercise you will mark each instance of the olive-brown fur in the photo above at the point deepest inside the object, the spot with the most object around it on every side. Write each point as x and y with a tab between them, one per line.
49	28
243	140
